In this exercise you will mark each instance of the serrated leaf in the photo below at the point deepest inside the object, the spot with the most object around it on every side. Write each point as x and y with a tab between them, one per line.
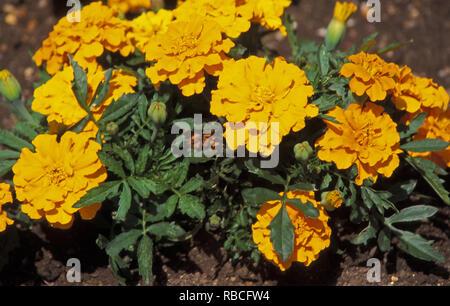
122	241
111	164
10	140
177	174
124	202
259	195
308	208
143	107
324	59
98	194
413	213
365	235
414	125
25	129
190	205
417	246
145	259
79	84
282	234
140	186
119	108
171	205
425	145
384	240
265	174
141	162
9	154
193	184
102	89
325	102
168	229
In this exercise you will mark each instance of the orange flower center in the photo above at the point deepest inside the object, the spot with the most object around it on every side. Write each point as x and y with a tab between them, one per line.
187	42
364	136
262	95
57	175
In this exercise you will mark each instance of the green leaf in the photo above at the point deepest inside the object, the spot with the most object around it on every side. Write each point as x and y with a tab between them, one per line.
414	125
324	59
25	129
384	239
9	154
417	246
171	205
124	202
141	162
98	194
259	195
413	213
301	186
10	140
190	205
237	51
145	259
379	198
282	234
192	185
328	118
400	191
80	84
177	174
102	89
5	166
394	46
111	164
126	157
308	208
366	234
425	145
79	127
143	108
168	229
265	174
325	102
368	43
122	241
140	185
119	108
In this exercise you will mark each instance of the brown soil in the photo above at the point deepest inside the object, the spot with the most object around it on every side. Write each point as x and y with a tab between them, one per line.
41	259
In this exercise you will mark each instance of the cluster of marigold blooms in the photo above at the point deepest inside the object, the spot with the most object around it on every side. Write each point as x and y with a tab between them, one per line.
184	44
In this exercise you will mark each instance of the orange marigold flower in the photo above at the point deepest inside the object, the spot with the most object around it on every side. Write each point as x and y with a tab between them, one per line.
365	136
251	91
370	75
51	180
5	197
98	29
130	5
331	200
144	28
311	235
436	125
56	99
265	12
412	92
187	49
226	13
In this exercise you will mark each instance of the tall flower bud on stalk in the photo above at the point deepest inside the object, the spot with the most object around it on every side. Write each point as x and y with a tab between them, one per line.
158	113
12	91
337	26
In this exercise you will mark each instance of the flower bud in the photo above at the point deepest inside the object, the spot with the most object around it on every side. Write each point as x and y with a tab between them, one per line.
337	26
331	200
9	86
157	112
112	128
303	151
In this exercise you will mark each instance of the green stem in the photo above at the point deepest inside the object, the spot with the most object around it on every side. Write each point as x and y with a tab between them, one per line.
144	225
19	109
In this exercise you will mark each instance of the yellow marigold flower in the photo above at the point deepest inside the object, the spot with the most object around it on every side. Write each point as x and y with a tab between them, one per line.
265	12
226	13
250	91
436	125
5	197
130	5
343	10
365	136
99	29
187	49
331	200
412	92
51	180
370	75
56	99
311	235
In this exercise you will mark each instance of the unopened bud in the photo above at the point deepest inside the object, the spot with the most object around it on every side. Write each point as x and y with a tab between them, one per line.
112	128
158	112
331	200
303	151
337	26
9	86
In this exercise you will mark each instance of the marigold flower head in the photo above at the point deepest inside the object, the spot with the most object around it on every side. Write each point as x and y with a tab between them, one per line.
412	92
226	13
144	27
311	235
331	200
251	91
56	99
436	125
185	51
343	10
52	179
365	136
5	197
98	29
370	75
265	12
130	5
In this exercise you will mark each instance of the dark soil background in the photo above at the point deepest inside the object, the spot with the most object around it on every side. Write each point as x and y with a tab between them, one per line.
42	257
